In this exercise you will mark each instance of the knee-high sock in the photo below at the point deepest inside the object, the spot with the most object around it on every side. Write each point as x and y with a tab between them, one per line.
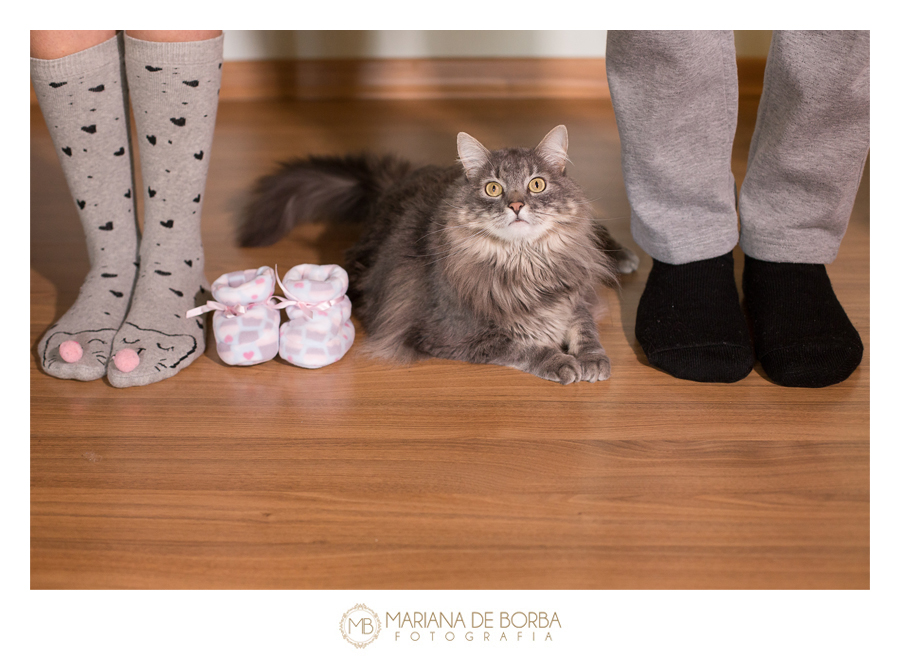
174	91
84	100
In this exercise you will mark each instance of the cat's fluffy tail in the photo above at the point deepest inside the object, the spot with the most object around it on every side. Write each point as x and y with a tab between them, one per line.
314	189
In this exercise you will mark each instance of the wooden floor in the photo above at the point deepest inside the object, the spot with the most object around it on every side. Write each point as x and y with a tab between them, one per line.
441	475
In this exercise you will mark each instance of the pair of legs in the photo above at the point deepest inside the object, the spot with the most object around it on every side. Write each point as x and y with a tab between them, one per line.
129	321
675	96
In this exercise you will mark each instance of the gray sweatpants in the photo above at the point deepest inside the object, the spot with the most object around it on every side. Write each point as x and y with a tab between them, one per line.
675	96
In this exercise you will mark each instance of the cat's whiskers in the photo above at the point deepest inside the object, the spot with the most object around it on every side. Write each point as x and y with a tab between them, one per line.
577	217
561	218
587	202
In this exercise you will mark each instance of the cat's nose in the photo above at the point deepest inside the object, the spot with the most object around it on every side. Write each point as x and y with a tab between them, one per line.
516	206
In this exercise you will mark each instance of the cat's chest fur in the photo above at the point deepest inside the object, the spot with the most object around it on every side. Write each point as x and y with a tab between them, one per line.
519	291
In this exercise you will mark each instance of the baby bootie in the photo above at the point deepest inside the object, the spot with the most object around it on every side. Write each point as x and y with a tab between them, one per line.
319	331
246	318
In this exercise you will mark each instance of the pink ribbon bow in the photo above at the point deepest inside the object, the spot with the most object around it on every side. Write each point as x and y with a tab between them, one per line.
305	307
229	311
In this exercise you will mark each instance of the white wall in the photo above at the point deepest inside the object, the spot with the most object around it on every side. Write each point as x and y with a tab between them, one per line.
375	44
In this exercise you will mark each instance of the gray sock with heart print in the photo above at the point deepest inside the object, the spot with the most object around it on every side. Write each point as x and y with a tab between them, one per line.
84	100
174	93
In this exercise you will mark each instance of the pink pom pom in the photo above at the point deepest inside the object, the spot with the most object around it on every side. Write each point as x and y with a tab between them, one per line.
126	360
70	351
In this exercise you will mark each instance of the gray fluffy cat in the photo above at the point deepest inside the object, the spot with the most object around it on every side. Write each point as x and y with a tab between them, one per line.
492	262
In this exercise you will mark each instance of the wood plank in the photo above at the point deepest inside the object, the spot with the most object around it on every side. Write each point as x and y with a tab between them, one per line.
416	79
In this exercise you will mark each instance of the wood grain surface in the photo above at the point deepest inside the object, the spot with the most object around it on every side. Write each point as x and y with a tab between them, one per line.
440	475
431	78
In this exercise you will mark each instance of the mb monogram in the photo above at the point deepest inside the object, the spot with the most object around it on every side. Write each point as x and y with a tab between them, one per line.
361	626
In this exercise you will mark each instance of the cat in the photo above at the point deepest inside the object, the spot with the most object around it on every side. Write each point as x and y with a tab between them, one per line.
493	262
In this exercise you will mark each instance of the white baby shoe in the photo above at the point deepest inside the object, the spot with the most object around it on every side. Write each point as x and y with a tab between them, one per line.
246	318
319	331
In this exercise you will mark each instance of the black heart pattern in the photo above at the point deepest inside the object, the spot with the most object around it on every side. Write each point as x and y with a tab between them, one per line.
106	227
80	203
67	150
197	200
151	192
121	151
97	88
128	194
169	223
179	122
199	155
91	129
191	83
189	263
151	139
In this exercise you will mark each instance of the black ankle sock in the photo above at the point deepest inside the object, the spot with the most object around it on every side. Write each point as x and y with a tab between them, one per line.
690	323
801	333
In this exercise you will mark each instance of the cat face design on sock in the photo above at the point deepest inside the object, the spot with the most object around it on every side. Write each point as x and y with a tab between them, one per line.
95	343
156	349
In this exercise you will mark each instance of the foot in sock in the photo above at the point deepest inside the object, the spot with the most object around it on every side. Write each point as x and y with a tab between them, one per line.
174	89
801	333
690	323
85	105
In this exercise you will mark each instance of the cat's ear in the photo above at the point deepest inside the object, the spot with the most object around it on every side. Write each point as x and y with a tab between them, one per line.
472	154
554	146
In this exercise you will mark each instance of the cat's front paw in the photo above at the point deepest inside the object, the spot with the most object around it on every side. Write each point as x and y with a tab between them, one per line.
594	367
567	373
560	367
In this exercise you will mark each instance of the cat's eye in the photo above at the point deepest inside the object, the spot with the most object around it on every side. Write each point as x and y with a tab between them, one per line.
537	185
493	189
